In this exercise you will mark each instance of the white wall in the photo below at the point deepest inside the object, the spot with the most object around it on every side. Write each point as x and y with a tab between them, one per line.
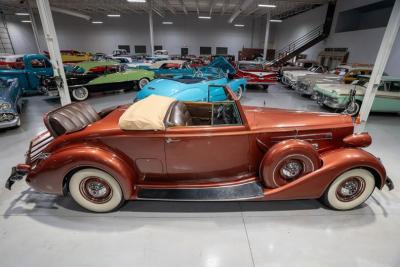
187	31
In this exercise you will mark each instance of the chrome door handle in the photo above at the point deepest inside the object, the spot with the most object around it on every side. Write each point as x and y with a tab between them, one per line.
170	140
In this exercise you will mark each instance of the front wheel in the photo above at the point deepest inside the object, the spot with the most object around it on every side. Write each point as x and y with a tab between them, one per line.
80	94
265	86
239	92
353	109
349	190
142	83
95	190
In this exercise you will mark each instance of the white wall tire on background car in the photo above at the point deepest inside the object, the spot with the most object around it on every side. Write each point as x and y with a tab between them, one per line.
142	83
95	190
80	93
350	189
239	92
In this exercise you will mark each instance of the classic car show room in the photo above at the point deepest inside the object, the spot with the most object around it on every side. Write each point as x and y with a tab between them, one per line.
207	133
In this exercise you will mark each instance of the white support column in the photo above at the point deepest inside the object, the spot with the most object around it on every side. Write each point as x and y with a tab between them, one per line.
53	47
34	26
389	37
266	40
151	27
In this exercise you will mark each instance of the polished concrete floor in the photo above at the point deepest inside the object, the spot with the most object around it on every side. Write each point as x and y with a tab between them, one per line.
44	230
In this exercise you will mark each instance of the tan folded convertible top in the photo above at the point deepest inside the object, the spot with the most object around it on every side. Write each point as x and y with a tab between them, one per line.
146	114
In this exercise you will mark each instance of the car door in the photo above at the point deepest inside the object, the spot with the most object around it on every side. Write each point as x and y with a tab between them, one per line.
388	97
208	153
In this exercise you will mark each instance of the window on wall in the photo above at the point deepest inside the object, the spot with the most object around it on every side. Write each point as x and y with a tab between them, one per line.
205	50
222	50
366	17
126	47
158	47
140	49
184	51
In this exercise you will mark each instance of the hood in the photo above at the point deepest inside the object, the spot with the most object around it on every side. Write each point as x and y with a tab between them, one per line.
261	118
223	64
339	88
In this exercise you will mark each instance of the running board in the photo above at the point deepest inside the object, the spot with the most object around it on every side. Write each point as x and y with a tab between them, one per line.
224	193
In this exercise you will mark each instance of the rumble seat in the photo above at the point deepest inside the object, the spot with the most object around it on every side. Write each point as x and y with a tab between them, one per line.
70	118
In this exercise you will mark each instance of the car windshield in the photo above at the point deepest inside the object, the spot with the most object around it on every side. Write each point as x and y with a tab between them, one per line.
251	67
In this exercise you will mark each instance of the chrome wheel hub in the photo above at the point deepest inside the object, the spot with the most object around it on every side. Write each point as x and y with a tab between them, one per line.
291	169
350	189
95	190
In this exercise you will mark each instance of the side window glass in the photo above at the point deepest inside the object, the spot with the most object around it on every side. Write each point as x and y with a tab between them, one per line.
226	113
394	86
47	63
38	63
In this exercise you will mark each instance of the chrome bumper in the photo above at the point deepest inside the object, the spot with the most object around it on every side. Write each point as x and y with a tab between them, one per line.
9	124
329	102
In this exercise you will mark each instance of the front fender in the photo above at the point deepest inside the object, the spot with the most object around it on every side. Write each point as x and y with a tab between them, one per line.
334	163
236	83
49	175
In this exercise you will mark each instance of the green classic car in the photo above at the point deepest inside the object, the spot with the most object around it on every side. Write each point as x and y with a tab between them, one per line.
339	96
81	85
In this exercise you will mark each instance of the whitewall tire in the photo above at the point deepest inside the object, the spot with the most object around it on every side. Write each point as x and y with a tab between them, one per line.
95	190
80	94
239	92
350	189
142	83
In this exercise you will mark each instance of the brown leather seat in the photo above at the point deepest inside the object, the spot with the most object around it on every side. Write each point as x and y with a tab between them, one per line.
179	115
70	118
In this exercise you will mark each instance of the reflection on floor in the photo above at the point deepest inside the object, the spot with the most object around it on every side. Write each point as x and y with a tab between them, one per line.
45	230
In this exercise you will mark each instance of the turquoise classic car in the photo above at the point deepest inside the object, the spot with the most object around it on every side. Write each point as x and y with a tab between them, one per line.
10	104
31	70
349	97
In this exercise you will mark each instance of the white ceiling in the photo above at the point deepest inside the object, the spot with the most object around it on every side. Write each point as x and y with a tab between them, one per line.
165	8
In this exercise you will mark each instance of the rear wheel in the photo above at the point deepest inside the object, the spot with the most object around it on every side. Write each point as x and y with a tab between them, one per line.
95	190
142	83
353	109
349	190
80	93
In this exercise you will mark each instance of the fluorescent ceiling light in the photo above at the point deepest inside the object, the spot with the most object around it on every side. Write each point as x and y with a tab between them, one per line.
21	14
266	5
204	17
114	15
275	20
97	22
167	22
136	1
26	21
239	25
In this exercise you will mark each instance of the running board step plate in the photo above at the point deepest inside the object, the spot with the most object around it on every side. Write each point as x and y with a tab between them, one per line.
224	193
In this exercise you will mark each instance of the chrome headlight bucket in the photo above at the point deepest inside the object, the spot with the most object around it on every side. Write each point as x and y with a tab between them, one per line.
5	106
6	117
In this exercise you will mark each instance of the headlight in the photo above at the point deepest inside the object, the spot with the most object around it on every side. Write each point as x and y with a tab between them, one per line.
5	106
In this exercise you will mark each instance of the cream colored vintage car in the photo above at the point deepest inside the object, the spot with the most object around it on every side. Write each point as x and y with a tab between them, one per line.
337	96
291	77
341	74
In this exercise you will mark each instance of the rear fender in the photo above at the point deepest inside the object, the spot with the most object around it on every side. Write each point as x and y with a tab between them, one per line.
334	163
51	174
236	83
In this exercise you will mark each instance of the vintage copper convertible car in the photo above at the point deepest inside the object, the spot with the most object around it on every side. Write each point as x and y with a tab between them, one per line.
160	148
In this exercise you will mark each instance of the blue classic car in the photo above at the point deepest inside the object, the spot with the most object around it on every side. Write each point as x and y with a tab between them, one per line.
31	71
196	87
10	105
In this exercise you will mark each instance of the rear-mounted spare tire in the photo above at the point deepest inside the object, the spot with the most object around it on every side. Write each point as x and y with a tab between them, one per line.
287	161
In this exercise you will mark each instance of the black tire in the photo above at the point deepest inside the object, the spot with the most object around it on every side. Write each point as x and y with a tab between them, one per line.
355	109
265	87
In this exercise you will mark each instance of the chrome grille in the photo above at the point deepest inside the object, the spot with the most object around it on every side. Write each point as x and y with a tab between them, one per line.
37	145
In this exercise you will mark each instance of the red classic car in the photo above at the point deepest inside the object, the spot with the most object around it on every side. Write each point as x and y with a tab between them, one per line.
256	73
160	148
